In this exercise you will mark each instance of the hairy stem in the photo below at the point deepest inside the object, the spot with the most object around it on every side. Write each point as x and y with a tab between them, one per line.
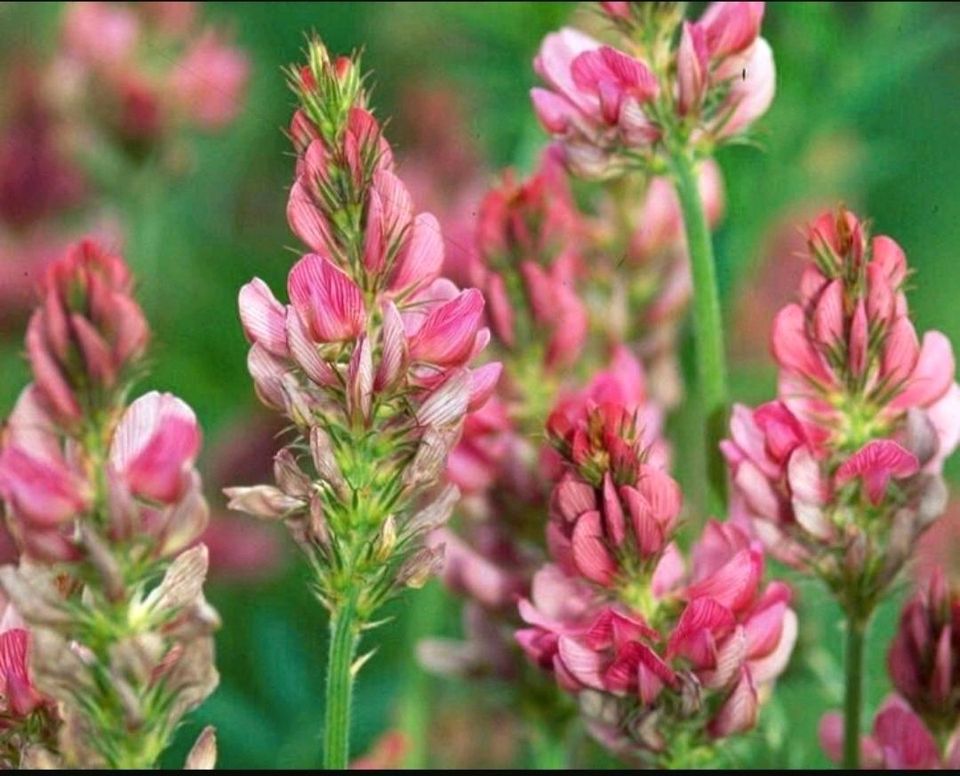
707	324
853	695
344	636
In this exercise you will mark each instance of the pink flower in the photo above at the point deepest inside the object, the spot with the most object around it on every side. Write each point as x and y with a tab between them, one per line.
42	488
900	741
328	302
924	658
101	34
209	81
155	445
528	239
819	343
20	695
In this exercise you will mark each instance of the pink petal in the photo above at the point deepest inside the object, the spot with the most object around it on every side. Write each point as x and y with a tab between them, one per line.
932	375
327	300
590	552
155	444
448	333
876	462
263	317
421	259
739	712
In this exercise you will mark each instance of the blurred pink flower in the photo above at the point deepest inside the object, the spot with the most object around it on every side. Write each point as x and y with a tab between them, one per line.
900	741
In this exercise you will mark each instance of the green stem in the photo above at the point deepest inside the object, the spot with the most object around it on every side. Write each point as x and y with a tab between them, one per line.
853	698
707	324
344	636
425	615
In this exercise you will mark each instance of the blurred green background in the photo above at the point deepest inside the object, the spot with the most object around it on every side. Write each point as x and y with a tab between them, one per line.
865	114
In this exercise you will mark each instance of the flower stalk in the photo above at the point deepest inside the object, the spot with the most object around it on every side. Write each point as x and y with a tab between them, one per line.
707	324
853	691
344	638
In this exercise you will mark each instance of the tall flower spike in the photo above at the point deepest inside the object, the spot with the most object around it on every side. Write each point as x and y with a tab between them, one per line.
104	500
370	360
648	648
841	475
849	456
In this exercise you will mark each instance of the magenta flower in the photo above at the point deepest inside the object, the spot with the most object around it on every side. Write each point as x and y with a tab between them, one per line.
900	741
923	659
615	617
209	82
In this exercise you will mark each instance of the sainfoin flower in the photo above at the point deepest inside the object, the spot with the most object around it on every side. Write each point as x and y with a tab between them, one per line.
846	461
924	658
103	501
108	48
609	107
372	357
618	619
900	741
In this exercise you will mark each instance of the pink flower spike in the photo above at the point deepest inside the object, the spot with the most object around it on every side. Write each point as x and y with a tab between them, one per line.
876	462
328	302
263	317
447	335
155	445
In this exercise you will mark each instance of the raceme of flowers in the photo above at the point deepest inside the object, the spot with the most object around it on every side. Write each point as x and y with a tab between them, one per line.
615	616
614	106
370	359
104	500
841	474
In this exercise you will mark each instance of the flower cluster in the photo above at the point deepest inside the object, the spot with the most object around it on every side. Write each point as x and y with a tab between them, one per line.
918	726
613	108
146	70
103	500
841	473
646	646
371	358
